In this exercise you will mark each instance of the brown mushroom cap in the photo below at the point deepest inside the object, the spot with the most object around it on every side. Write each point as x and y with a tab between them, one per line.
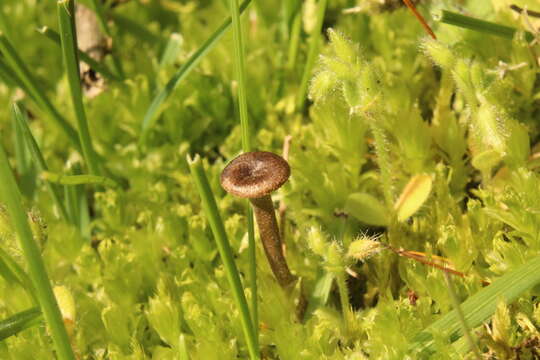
255	174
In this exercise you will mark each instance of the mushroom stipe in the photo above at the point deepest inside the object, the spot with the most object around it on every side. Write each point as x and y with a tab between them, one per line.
254	175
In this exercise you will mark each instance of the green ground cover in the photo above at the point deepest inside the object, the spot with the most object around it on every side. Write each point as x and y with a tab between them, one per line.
411	217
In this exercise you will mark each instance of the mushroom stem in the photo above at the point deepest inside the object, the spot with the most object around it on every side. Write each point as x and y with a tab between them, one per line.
269	233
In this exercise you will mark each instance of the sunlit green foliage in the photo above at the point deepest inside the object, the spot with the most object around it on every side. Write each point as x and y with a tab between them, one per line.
405	144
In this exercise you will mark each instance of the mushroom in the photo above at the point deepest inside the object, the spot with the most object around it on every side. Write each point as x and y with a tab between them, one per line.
254	175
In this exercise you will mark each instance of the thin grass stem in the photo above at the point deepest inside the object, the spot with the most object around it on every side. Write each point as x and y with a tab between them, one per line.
9	192
218	229
464	325
481	305
33	89
155	108
314	43
240	70
66	19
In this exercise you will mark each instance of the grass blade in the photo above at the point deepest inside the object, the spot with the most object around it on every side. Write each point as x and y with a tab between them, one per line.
240	70
482	305
77	179
39	160
96	66
10	78
24	165
486	27
218	229
9	192
66	19
34	90
154	110
315	40
19	322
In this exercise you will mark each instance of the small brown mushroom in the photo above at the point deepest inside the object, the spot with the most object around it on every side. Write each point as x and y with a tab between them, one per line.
254	175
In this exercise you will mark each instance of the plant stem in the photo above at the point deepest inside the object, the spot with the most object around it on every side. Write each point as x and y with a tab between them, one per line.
315	39
225	252
344	298
467	22
10	194
240	70
383	159
19	322
66	19
461	316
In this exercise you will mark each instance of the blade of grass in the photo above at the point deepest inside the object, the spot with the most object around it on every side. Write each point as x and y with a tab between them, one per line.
33	89
218	229
486	27
240	70
24	165
464	325
38	158
155	108
96	66
66	19
10	194
77	179
98	10
19	322
482	305
173	48
294	40
16	271
314	42
10	78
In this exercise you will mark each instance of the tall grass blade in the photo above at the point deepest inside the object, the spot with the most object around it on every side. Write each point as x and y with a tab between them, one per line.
314	43
218	229
24	165
10	195
154	110
479	307
19	322
33	89
486	27
66	19
240	70
38	158
10	78
77	179
96	66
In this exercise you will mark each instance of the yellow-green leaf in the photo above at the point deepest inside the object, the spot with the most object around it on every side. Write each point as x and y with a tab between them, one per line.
413	196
